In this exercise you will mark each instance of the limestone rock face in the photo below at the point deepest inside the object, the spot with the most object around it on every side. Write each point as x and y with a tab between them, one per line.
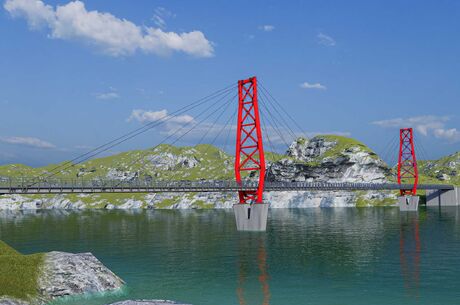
329	159
69	274
169	161
147	302
118	174
303	149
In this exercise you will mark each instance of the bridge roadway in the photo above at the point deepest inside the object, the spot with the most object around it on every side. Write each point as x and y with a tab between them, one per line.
27	186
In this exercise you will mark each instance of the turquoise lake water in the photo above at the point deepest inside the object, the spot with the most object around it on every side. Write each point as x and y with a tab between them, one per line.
323	256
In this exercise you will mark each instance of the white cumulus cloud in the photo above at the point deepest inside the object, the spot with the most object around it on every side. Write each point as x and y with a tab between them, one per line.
27	141
307	85
267	27
145	116
109	95
325	40
112	35
426	125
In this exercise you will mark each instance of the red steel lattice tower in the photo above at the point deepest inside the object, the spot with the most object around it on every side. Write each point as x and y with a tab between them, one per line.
249	155
407	163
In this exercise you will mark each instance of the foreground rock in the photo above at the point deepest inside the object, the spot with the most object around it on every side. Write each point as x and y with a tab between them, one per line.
147	302
67	274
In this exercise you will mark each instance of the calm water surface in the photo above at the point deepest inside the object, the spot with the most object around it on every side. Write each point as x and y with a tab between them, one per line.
307	256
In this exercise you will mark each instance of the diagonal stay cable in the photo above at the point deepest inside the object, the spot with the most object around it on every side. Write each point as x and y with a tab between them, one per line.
211	109
143	128
269	103
270	122
227	123
273	121
282	108
124	139
196	125
230	129
217	119
266	132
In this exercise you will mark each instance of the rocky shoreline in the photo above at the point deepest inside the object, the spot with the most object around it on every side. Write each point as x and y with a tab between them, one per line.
66	274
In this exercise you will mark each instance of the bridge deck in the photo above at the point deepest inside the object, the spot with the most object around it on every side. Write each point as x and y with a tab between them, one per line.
21	186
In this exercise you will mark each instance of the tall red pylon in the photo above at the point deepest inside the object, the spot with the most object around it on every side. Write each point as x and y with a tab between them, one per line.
249	147
407	162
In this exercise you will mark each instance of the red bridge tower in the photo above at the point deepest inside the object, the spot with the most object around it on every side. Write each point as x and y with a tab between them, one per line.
249	147
407	163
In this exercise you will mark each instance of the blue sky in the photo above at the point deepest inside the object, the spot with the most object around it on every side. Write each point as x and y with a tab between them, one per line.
73	72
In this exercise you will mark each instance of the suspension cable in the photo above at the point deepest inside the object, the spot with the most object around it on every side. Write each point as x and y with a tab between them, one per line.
225	92
274	123
284	110
267	99
211	109
147	126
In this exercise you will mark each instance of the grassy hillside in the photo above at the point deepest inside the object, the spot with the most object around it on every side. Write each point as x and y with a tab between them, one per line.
343	144
18	273
211	163
445	170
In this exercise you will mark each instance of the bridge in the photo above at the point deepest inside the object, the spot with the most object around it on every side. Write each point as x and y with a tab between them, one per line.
249	166
66	186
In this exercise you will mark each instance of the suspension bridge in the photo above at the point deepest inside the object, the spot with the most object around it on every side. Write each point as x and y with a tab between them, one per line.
253	120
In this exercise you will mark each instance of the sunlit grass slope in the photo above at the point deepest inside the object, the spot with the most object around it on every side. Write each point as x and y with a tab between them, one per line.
18	273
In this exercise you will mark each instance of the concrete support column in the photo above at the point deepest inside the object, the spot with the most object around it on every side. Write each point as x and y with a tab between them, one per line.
435	198
408	203
251	217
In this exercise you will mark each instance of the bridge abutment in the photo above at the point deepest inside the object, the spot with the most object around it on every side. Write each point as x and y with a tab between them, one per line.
251	217
435	198
408	203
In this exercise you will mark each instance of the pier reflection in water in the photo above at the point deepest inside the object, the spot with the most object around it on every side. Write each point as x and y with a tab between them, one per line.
409	252
250	260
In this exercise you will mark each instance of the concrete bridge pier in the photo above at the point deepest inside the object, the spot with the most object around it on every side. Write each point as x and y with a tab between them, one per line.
408	203
251	217
435	198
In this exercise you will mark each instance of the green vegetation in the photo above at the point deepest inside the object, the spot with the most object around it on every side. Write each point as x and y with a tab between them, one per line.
166	203
361	201
18	273
211	163
448	168
344	144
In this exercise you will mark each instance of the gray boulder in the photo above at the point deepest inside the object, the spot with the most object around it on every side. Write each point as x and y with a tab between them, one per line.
70	274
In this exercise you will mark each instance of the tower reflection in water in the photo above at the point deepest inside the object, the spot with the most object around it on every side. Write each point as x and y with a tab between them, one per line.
253	260
409	252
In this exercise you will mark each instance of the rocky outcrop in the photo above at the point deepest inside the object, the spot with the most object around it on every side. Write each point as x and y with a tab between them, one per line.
147	302
329	159
67	274
169	161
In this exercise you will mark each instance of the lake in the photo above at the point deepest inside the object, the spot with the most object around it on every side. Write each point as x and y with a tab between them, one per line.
318	256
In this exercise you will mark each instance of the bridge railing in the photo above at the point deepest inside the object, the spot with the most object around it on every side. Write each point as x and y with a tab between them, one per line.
19	185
